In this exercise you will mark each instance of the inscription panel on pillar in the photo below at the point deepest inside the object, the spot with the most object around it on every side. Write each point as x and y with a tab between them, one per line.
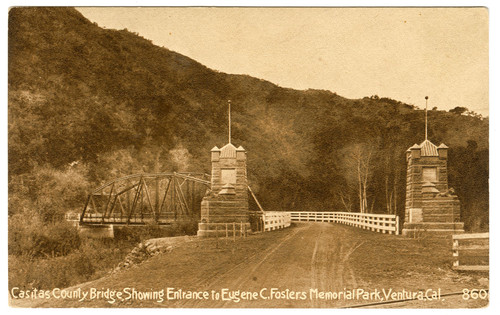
429	174
228	176
416	215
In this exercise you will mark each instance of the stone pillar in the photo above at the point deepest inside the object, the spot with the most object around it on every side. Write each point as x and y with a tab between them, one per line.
430	207
227	202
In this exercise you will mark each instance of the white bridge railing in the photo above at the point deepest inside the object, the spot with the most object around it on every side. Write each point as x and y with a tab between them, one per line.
274	220
384	223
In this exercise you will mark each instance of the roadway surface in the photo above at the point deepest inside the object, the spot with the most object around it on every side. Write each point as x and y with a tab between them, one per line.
313	255
307	257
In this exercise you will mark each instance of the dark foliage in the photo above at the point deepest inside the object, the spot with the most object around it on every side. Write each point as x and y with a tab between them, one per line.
42	241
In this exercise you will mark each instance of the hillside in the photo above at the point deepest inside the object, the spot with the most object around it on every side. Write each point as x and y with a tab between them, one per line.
110	103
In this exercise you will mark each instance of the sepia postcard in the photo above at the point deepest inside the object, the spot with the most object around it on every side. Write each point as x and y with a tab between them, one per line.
248	157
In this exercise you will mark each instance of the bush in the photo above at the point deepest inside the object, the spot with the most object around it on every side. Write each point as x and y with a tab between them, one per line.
49	256
49	273
61	239
33	240
93	260
105	253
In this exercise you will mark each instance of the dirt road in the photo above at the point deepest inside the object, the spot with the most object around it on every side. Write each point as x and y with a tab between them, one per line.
287	268
311	256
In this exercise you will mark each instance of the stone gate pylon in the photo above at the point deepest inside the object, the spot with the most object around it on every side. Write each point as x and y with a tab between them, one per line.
431	207
226	204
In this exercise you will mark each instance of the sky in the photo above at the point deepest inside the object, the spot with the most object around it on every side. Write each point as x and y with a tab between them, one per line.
400	53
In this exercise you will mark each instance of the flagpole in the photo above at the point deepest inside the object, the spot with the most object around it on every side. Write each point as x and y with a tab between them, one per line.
426	98
229	118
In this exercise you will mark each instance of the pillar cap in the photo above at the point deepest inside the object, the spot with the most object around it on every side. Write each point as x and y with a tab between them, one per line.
442	146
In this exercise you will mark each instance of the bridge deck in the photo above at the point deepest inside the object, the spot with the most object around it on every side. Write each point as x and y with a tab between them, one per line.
145	220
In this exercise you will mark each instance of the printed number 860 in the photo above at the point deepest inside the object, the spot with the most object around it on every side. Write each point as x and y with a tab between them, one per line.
474	294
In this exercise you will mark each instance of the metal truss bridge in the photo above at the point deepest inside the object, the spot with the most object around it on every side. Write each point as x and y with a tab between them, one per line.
143	199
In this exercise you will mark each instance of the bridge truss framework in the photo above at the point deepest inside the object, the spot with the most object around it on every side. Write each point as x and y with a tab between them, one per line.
141	199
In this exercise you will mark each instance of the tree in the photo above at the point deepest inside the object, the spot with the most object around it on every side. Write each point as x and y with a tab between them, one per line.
358	170
346	199
458	110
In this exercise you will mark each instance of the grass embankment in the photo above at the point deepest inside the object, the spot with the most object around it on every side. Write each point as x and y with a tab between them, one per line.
59	257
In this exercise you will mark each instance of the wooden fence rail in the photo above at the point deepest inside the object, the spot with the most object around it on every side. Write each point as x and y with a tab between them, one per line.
276	220
468	245
384	223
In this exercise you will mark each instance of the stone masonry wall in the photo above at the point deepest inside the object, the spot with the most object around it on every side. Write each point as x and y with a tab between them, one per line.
441	209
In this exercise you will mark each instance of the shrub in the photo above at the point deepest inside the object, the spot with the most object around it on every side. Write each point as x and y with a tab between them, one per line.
61	239
93	260
48	256
50	273
32	239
